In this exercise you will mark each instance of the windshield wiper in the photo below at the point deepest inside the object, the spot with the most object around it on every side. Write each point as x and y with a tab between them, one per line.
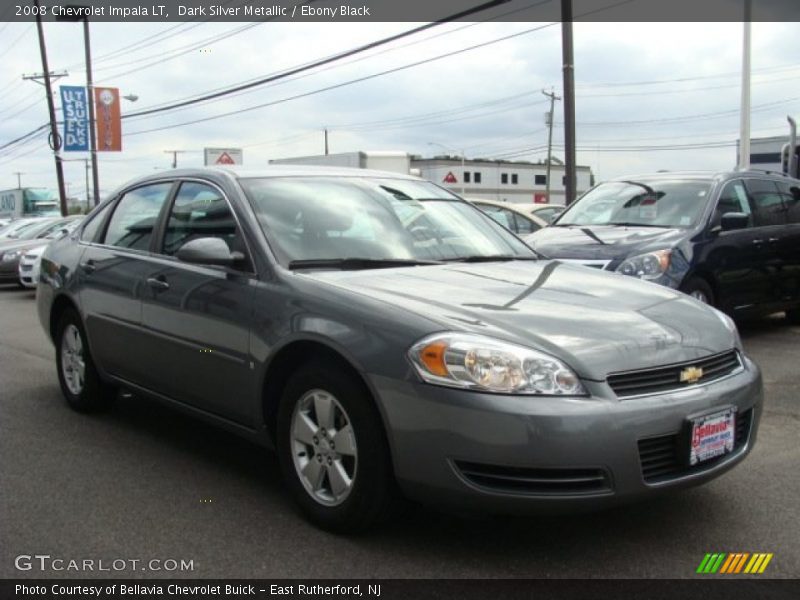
478	258
631	224
354	263
647	188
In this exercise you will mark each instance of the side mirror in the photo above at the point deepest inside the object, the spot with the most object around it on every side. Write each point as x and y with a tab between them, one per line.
734	220
208	251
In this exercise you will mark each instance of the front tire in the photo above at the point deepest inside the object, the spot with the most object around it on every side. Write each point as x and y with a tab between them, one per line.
80	382
699	289
333	451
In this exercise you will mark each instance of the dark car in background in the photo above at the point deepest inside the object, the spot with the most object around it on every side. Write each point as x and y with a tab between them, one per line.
389	339
730	239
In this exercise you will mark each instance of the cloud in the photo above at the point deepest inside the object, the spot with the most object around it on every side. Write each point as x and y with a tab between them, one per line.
705	55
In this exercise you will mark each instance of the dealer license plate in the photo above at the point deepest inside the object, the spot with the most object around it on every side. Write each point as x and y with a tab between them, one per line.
712	435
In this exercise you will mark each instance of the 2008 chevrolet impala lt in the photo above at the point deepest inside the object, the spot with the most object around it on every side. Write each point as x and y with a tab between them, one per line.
391	340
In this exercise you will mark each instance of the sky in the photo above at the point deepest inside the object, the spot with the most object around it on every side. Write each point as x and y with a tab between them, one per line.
639	86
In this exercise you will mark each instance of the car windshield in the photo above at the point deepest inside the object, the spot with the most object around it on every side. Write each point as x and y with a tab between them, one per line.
647	203
30	230
326	218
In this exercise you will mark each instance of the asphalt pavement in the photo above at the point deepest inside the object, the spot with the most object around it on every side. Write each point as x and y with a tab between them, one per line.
142	482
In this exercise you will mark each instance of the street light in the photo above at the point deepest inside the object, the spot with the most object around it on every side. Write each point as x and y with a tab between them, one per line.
463	168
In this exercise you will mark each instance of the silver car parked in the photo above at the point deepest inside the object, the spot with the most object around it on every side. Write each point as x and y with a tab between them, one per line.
389	339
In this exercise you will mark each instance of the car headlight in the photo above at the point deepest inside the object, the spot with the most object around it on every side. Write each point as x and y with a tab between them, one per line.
480	363
646	266
12	255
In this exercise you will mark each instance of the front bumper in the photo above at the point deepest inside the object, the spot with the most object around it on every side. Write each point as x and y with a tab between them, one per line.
29	271
9	271
461	449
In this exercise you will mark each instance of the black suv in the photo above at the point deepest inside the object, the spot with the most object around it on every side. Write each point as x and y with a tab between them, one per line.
728	239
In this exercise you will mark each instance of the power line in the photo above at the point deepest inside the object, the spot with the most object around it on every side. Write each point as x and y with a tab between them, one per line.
13	44
321	62
171	55
348	62
342	84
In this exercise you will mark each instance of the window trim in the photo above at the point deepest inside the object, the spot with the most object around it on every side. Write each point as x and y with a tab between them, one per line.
78	233
161	227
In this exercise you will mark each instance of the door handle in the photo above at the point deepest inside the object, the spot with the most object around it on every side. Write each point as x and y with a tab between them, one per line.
773	240
158	283
758	241
88	266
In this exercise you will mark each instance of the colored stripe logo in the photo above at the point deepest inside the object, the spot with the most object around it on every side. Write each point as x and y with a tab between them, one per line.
734	563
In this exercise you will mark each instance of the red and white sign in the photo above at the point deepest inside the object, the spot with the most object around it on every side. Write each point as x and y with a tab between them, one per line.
450	178
712	436
108	119
223	156
539	198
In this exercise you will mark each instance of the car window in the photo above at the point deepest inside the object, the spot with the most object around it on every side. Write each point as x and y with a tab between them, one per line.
89	233
501	215
767	202
732	199
790	193
524	225
200	211
131	225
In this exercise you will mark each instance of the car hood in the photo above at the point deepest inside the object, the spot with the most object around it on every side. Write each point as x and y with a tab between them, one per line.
602	242
595	321
11	245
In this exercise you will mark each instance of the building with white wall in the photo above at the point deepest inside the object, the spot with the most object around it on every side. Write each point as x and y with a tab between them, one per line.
502	180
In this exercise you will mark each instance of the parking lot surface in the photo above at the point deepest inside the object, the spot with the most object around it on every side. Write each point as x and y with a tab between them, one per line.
142	482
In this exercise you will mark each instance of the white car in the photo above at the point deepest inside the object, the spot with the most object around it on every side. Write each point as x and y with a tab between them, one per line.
29	266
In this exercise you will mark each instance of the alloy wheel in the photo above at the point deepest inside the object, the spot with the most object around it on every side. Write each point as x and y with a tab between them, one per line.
324	447
73	365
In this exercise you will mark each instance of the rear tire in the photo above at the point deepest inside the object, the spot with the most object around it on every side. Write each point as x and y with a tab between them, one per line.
699	289
80	382
333	451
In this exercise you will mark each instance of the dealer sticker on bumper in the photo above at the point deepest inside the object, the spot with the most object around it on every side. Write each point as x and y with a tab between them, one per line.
712	435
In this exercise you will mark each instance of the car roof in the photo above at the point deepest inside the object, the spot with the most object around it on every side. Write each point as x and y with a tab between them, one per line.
234	172
702	175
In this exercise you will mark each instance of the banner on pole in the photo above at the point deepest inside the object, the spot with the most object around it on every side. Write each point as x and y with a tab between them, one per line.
75	107
107	115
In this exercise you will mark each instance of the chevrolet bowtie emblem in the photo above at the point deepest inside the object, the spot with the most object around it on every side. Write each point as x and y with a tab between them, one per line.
691	374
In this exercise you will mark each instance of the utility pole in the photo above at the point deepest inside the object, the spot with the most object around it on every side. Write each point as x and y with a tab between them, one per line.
87	50
174	156
56	140
90	100
569	101
744	115
553	99
326	141
19	175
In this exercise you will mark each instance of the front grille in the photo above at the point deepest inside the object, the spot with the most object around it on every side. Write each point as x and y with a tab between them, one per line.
542	481
664	379
26	267
664	457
